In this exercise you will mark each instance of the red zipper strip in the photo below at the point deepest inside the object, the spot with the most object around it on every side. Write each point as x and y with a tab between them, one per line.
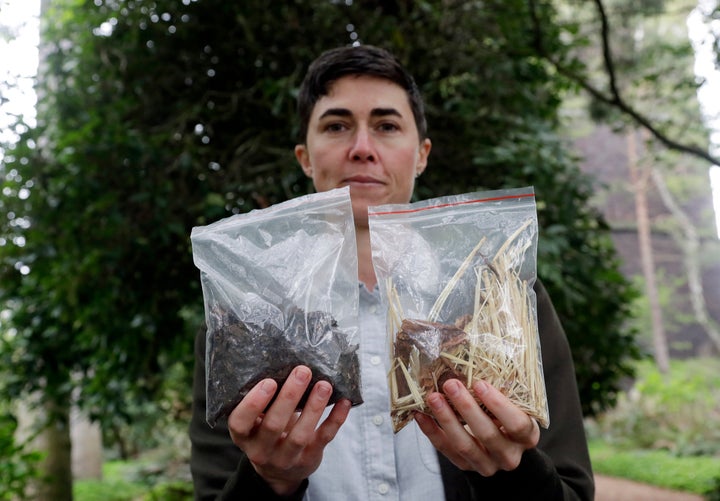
466	202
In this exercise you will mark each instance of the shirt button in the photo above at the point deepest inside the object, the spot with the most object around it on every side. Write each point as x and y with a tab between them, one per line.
383	488
375	360
373	309
377	421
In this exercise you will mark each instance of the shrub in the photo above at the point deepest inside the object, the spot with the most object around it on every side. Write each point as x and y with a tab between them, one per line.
678	411
660	468
173	491
18	466
714	493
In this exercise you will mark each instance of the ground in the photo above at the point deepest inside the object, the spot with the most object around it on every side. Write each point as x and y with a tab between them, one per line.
617	489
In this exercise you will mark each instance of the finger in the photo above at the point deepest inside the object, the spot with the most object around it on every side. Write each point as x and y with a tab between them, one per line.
490	447
293	420
280	413
454	432
466	405
515	423
482	426
430	428
300	431
248	412
327	431
437	437
451	438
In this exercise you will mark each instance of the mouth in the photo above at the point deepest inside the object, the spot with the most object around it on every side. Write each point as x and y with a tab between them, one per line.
362	181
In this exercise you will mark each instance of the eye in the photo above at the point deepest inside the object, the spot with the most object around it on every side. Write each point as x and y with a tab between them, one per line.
388	127
334	127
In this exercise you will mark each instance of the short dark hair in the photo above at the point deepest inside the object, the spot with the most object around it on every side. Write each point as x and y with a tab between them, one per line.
359	60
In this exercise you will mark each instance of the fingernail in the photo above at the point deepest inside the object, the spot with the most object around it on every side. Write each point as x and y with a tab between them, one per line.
302	375
452	387
323	389
480	387
267	387
435	401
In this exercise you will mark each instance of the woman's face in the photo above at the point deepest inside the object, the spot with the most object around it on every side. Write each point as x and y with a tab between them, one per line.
362	134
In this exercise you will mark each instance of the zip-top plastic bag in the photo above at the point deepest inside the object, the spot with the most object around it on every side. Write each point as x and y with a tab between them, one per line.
457	275
280	289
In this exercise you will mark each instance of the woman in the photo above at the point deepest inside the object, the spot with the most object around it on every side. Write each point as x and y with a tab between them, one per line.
363	126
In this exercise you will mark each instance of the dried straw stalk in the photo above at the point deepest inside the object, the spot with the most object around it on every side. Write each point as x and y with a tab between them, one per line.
498	343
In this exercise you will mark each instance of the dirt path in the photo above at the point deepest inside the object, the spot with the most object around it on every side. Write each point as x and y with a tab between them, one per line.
618	489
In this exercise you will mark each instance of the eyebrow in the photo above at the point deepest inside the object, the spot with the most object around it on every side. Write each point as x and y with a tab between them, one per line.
375	112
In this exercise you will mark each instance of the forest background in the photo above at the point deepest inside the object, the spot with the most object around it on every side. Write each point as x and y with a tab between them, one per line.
157	116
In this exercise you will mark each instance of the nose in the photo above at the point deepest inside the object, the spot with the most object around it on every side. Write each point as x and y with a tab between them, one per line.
362	147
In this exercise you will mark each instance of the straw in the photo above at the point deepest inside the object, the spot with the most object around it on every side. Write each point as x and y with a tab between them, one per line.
498	344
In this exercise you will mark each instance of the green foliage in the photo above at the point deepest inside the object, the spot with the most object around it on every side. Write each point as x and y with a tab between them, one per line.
150	477
147	425
123	490
713	494
678	411
712	15
106	490
18	465
698	475
176	491
669	290
159	116
652	60
665	430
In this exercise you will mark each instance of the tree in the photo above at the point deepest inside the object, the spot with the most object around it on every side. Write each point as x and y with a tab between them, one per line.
611	94
640	178
160	116
641	81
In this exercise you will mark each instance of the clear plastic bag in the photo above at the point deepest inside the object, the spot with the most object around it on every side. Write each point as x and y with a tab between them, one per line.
280	289
457	275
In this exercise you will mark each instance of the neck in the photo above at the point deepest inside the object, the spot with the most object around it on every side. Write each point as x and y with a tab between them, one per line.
366	272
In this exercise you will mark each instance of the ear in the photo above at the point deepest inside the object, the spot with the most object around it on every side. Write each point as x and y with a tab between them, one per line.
423	154
303	158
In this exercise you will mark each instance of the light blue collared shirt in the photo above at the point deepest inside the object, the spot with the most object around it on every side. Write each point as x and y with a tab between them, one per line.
366	461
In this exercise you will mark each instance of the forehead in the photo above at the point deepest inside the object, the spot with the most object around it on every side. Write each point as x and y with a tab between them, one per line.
362	93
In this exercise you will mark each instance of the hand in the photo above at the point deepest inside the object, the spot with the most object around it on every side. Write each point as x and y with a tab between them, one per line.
487	443
285	446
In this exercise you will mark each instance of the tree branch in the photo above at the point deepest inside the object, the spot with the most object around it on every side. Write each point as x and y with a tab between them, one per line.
614	98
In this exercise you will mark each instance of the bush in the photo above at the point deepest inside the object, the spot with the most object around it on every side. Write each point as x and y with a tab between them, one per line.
173	491
678	411
151	477
18	466
660	468
714	493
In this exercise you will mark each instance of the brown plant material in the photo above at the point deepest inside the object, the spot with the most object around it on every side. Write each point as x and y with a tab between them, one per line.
241	354
497	342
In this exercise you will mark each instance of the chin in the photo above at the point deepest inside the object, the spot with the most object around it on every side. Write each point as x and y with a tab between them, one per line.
360	214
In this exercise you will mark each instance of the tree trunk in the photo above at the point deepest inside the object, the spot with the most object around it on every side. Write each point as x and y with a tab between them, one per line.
639	181
689	242
54	440
87	454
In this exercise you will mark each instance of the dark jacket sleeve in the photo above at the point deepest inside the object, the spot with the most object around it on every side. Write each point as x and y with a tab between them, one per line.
219	469
559	467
